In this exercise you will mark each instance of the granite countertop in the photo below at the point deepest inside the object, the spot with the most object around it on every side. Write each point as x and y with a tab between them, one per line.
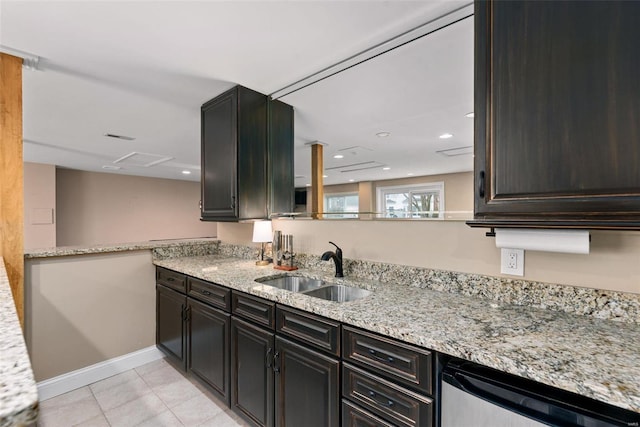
592	357
18	391
118	247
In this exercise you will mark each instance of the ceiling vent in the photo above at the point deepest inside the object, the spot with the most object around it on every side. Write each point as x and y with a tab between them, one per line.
144	160
354	167
453	152
355	150
111	167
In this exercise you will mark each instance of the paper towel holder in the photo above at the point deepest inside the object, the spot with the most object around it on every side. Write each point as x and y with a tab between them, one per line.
546	240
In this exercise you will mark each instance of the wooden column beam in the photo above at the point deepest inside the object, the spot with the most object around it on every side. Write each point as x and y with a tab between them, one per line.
11	177
317	185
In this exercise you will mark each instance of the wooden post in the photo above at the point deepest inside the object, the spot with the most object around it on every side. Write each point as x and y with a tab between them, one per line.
11	177
317	186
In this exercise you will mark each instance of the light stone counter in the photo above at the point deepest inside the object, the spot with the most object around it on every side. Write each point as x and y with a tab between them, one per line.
173	247
18	392
589	356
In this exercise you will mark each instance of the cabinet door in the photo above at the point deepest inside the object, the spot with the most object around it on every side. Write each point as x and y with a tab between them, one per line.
219	161
557	103
208	344
252	393
170	329
307	387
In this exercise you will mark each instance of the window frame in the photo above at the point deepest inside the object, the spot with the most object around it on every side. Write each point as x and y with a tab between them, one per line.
429	187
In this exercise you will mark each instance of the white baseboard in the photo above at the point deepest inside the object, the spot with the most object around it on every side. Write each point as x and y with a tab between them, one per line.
85	376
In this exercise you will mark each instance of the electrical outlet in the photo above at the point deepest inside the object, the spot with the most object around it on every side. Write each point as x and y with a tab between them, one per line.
512	261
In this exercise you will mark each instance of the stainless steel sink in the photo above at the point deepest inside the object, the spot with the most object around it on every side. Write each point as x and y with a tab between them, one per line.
315	288
292	283
338	293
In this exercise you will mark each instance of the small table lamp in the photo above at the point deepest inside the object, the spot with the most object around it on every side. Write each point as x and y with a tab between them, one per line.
262	234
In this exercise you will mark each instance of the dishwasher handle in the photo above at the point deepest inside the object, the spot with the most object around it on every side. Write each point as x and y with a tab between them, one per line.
534	400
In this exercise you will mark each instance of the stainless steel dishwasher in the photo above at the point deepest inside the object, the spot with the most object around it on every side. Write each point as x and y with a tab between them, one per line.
473	395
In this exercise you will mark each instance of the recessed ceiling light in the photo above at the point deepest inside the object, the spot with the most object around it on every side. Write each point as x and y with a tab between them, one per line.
325	176
469	115
113	135
410	174
338	156
351	180
386	168
186	172
308	185
446	135
383	134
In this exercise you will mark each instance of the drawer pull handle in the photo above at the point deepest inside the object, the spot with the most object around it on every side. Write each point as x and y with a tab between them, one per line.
268	359
276	361
205	292
372	393
170	279
374	353
390	403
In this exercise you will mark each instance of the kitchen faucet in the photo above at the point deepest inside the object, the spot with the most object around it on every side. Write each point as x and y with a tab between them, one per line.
337	259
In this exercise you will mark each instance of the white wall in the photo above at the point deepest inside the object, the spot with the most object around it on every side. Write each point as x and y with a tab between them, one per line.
614	262
96	208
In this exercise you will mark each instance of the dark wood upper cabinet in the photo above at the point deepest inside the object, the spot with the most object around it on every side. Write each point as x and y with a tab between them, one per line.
557	114
238	179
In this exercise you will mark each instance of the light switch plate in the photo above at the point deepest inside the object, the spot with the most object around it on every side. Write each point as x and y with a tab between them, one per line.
512	261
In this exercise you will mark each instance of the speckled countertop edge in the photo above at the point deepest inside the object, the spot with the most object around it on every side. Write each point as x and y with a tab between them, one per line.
592	357
176	244
18	391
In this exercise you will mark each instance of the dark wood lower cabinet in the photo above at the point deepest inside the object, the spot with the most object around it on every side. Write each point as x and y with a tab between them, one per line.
354	416
208	347
252	382
307	387
170	325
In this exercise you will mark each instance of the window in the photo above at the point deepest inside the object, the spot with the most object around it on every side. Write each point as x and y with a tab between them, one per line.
412	201
342	204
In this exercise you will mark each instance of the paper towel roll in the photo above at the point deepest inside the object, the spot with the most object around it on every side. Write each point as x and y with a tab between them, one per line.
568	241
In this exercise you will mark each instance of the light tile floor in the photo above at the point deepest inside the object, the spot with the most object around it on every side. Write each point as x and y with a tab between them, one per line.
153	395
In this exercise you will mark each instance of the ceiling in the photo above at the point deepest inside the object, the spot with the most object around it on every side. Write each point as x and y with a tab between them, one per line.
142	69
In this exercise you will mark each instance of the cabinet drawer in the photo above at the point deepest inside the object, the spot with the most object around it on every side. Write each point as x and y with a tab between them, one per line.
215	295
400	362
256	309
354	416
312	330
392	402
171	279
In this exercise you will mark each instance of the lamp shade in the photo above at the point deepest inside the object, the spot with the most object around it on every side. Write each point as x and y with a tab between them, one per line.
262	231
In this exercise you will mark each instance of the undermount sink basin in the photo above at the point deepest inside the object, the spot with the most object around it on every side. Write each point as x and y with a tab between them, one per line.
293	283
315	288
338	293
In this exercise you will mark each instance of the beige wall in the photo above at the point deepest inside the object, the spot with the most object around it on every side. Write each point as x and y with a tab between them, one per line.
39	206
82	310
614	262
108	208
